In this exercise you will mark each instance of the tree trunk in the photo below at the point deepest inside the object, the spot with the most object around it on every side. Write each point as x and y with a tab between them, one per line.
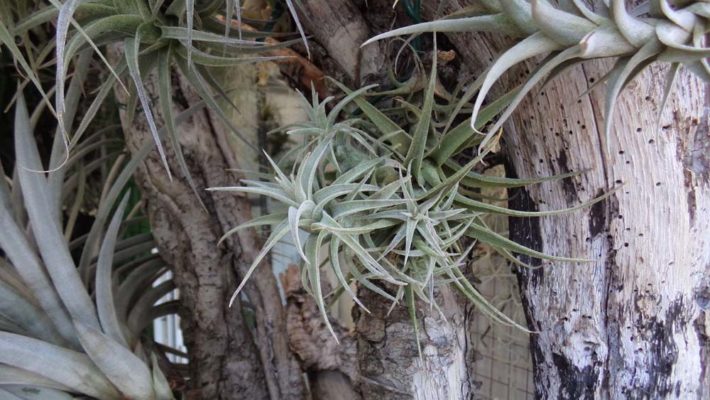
632	322
629	324
239	352
388	358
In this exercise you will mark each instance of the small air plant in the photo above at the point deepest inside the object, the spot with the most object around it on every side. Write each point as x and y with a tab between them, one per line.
69	328
390	209
654	31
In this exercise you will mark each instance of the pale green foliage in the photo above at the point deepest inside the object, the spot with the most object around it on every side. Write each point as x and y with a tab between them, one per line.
152	35
68	328
572	33
384	207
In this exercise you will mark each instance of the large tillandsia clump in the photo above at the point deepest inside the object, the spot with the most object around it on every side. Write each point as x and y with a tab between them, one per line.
73	313
656	30
382	199
151	37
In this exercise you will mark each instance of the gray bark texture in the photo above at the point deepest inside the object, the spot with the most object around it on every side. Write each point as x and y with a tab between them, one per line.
632	322
231	356
388	358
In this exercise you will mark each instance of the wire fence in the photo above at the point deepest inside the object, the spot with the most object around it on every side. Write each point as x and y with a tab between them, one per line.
503	367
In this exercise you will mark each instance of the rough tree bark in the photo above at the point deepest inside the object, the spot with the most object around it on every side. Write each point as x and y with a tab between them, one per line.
388	358
229	358
632	323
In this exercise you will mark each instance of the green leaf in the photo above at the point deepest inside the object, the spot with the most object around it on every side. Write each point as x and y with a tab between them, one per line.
131	53
412	308
415	153
477	231
165	100
531	46
481	23
10	375
313	245
126	371
104	287
49	237
294	15
277	234
66	367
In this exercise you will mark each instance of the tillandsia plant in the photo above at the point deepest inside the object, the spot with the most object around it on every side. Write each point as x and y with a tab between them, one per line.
386	203
76	328
655	30
152	35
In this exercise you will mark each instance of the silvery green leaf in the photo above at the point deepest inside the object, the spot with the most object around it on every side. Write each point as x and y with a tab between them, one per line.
7	395
64	18
636	31
190	8
520	13
313	246
675	38
682	18
344	209
294	218
335	111
160	382
166	107
277	234
479	301
482	23
455	140
132	47
137	281
103	286
586	12
183	34
701	9
69	368
531	46
27	265
415	153
144	304
126	371
119	24
26	315
562	27
412	309
625	68
334	248
270	219
294	15
667	89
532	81
40	393
486	235
605	41
10	375
50	239
384	124
275	194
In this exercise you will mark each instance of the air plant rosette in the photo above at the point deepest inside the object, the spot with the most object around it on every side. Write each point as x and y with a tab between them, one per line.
571	33
389	209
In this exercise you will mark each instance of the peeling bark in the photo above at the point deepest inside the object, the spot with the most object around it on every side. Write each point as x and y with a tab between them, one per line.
389	363
330	364
230	358
625	324
339	26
